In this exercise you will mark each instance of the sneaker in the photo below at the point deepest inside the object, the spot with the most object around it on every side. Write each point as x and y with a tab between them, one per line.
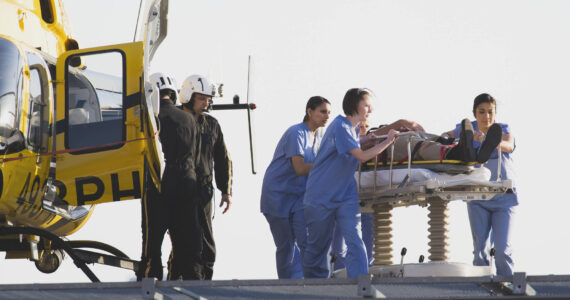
466	141
464	150
492	140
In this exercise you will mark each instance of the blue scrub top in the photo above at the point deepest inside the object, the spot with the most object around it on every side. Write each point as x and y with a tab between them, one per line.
507	169
283	190
331	181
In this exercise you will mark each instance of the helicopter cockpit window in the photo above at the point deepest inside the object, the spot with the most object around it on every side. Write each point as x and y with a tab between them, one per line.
37	128
95	102
38	109
10	86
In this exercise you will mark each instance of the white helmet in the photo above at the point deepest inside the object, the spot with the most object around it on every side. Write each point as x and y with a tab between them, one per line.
164	82
195	84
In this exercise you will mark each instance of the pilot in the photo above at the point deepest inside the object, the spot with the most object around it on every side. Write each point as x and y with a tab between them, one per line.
195	95
172	209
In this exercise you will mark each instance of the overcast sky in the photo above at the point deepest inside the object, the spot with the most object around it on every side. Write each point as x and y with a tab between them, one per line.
425	61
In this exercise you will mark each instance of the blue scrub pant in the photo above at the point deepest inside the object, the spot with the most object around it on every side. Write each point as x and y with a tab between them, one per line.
494	215
320	226
339	246
289	235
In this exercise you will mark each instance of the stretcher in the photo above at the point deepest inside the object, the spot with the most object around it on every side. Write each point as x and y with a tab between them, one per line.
412	182
432	184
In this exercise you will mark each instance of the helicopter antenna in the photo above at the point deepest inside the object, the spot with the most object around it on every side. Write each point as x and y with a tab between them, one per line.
249	107
138	17
251	147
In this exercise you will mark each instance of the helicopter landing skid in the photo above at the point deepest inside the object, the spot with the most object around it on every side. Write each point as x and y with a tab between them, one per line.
81	257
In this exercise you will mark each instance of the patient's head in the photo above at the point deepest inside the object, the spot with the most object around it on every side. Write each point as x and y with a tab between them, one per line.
364	126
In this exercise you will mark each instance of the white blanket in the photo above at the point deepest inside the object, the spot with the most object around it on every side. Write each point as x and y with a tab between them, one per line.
418	175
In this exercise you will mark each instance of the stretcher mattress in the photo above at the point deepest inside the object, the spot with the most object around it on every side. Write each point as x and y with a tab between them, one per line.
419	175
446	166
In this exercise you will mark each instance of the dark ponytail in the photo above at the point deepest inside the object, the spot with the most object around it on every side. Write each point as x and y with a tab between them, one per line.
313	103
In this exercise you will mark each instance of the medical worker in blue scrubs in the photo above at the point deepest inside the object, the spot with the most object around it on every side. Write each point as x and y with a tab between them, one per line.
284	187
495	215
331	195
339	249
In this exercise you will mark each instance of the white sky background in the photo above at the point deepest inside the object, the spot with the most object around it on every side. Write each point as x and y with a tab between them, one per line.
426	61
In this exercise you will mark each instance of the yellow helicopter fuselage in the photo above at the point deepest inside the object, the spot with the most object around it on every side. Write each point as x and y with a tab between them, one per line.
32	26
72	136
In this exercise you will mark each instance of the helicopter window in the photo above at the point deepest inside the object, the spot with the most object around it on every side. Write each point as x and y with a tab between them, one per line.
95	101
35	102
47	11
10	87
10	71
38	118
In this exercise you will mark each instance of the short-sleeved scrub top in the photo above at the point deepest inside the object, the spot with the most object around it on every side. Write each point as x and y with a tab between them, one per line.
283	190
331	181
507	169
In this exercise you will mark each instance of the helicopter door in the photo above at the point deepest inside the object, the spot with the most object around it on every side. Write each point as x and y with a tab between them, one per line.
100	136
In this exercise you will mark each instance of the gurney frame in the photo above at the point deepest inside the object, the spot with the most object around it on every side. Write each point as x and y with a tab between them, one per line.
431	193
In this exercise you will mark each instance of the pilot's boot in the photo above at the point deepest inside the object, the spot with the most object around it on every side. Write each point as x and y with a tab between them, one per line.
464	150
490	143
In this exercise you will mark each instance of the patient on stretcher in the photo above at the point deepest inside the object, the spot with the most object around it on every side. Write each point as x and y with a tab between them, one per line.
434	148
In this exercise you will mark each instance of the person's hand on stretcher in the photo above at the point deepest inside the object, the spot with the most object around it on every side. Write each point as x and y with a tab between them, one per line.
367	140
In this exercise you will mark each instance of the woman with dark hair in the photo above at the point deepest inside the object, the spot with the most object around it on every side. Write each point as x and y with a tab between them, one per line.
284	187
496	214
331	195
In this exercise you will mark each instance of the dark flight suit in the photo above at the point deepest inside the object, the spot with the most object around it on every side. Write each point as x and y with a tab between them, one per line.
175	209
213	156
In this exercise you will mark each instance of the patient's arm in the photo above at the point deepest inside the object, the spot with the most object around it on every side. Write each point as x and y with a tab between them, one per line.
400	125
365	155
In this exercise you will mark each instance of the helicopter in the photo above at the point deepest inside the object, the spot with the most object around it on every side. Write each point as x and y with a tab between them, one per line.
78	127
